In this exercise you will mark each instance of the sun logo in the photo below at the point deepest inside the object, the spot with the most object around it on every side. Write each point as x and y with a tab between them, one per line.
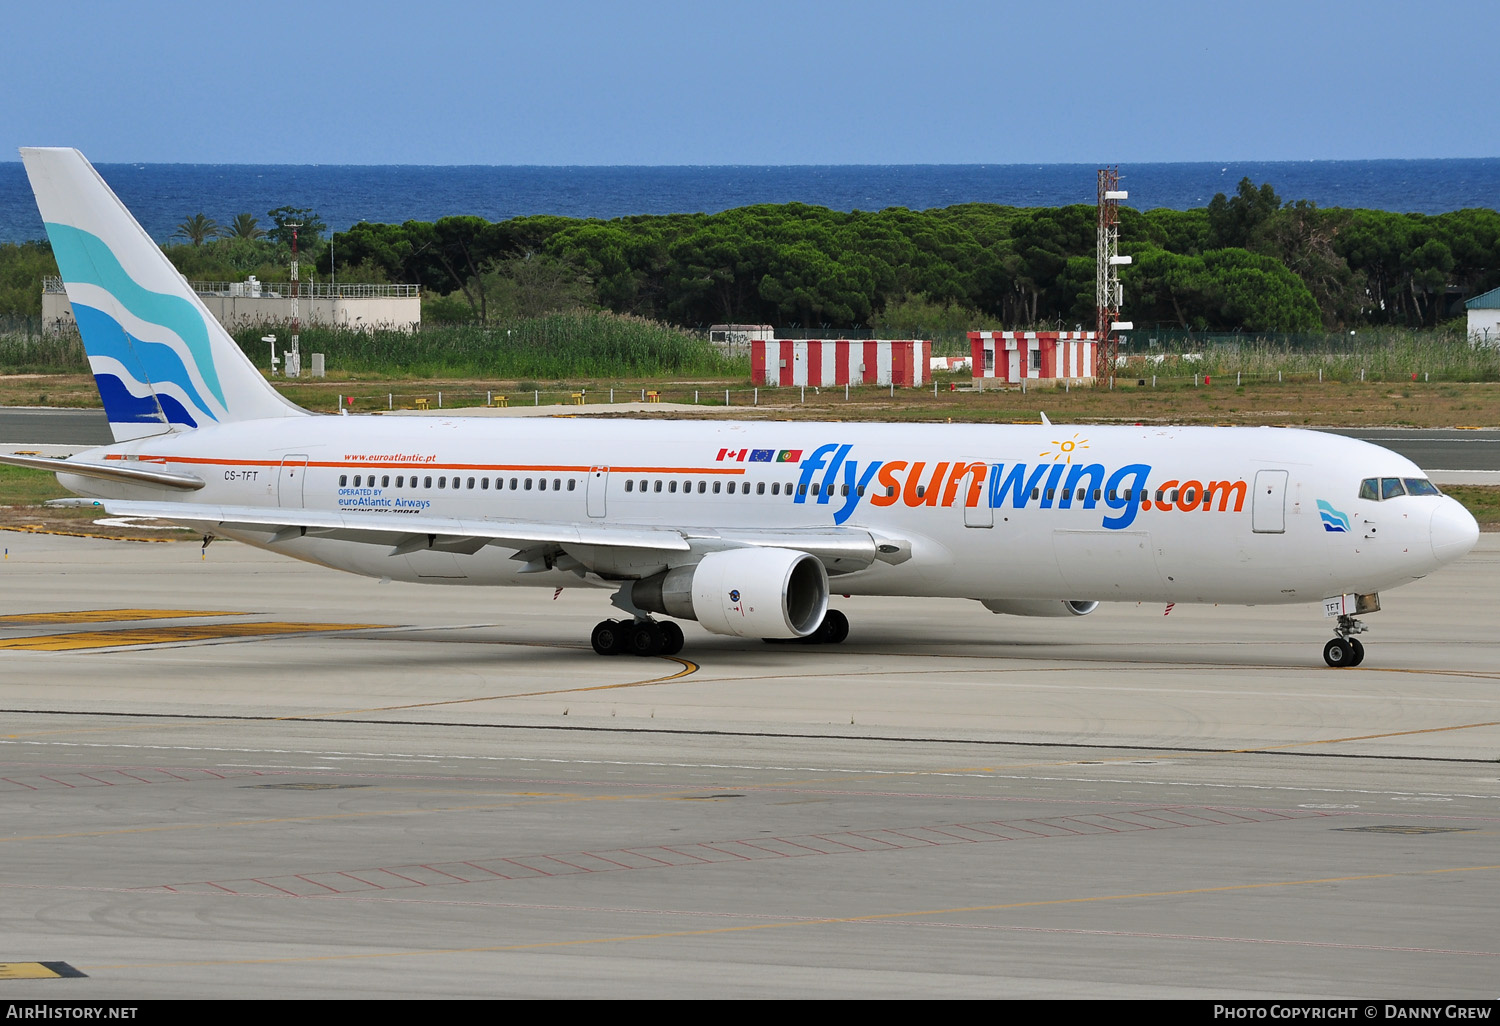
1065	449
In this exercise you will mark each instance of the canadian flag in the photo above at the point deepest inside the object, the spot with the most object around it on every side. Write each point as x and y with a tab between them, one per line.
735	455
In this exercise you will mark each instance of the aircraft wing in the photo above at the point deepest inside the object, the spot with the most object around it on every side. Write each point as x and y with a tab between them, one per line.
538	543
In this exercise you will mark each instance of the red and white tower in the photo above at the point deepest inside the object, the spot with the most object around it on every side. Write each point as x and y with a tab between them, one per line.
1108	293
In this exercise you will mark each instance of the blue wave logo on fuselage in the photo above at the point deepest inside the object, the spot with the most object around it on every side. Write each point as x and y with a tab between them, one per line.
1334	521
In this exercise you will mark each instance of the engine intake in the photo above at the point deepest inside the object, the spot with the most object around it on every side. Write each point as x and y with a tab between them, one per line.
745	593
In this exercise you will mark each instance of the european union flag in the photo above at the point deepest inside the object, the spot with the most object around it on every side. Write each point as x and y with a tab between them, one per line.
762	455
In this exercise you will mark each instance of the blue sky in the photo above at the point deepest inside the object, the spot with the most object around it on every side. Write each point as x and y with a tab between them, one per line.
585	82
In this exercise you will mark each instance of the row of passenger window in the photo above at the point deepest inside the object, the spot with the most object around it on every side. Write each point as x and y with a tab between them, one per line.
671	486
443	481
1377	489
732	487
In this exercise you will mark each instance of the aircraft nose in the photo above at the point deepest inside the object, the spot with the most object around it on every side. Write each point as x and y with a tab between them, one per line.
1454	531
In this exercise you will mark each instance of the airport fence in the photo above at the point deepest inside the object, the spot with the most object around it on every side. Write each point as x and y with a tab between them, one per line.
948	394
1380	354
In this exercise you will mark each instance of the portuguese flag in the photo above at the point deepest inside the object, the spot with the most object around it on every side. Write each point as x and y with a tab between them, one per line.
789	456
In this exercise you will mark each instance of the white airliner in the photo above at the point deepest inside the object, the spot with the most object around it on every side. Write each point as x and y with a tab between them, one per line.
744	527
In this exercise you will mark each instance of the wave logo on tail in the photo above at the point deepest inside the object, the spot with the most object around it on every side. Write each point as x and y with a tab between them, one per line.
150	351
1333	521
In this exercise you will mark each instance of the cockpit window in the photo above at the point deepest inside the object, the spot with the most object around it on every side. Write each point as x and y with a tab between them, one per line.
1377	488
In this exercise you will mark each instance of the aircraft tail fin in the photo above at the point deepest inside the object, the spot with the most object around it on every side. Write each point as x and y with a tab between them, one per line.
161	360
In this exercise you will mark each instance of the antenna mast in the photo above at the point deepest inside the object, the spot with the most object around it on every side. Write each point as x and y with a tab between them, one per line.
294	357
1108	293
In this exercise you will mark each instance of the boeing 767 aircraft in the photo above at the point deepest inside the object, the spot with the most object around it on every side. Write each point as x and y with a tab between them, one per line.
744	527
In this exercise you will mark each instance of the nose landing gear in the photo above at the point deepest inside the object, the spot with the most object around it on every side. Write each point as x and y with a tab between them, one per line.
1345	650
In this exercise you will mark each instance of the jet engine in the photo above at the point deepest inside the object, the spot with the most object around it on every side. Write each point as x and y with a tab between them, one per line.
746	593
1040	607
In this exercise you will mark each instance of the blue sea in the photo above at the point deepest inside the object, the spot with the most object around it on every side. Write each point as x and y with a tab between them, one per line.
163	195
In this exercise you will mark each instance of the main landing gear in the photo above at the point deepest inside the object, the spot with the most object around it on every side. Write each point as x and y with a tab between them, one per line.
1345	650
647	637
833	630
638	637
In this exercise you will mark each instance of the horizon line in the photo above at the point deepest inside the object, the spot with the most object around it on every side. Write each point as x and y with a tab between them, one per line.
1021	163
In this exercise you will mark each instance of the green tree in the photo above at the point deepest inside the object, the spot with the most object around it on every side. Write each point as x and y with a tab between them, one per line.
22	268
916	316
1373	244
531	286
1220	289
197	229
1176	231
1304	239
310	227
1232	222
245	226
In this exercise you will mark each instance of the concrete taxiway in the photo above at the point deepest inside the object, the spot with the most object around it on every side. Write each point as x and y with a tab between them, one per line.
226	774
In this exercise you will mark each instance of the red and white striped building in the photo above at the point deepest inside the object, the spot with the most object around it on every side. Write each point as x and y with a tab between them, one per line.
1006	357
826	362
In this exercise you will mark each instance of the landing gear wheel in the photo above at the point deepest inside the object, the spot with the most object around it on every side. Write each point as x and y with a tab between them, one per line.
1358	650
1340	652
671	638
837	626
833	629
645	638
609	637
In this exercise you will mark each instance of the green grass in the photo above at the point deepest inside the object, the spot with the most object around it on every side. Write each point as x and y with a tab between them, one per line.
20	486
1381	354
26	353
1481	500
580	345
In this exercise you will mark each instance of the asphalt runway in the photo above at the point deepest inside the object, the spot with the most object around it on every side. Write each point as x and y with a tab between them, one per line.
1438	449
23	425
241	776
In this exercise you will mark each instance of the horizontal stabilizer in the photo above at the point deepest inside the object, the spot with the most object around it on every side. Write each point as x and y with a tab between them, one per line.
127	472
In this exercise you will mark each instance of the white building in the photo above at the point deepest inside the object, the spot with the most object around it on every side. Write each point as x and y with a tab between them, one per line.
735	339
1484	317
241	304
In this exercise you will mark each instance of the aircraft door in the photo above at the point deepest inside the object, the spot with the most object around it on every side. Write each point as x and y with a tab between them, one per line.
290	481
598	482
981	514
1268	508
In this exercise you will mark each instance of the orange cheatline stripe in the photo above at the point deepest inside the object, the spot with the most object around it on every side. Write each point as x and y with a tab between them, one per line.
415	465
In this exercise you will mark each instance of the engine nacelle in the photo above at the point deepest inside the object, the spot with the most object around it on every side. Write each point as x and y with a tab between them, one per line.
1040	607
745	593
